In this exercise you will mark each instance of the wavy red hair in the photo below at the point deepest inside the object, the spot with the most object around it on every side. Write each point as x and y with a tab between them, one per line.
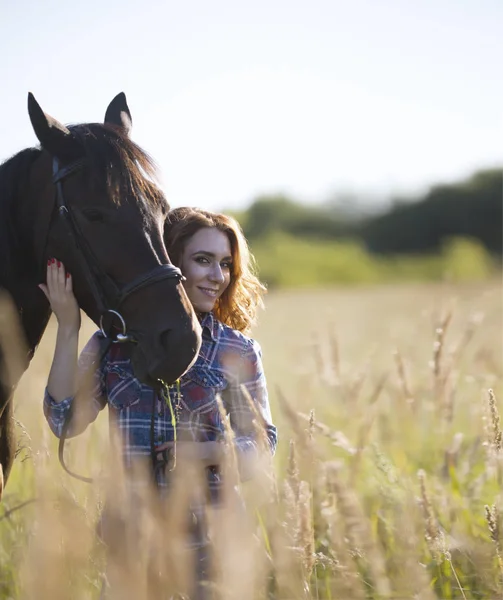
238	305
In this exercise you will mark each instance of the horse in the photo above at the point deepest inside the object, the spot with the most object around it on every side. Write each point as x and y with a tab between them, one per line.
87	196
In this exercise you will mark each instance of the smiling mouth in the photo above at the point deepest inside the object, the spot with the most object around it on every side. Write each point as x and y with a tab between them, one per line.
209	292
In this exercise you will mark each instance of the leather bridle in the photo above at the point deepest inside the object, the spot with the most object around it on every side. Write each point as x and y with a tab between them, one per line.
108	296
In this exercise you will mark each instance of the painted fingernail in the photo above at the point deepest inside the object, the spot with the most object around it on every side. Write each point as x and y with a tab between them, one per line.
59	264
68	275
48	261
53	260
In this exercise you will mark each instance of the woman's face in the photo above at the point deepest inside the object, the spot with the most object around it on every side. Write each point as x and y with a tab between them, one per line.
206	263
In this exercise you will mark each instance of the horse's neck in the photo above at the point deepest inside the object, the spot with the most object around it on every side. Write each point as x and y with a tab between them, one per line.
24	312
30	302
33	310
27	303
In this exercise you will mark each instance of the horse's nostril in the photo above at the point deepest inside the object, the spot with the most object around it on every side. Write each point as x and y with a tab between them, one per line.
164	338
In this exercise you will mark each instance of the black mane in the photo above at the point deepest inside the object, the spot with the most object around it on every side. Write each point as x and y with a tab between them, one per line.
118	163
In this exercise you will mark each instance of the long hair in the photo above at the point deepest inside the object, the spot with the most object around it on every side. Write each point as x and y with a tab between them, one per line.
237	306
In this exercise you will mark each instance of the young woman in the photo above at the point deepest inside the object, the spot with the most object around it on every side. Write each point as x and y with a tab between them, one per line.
213	255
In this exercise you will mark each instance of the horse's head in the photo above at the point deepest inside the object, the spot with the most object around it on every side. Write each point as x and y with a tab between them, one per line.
99	212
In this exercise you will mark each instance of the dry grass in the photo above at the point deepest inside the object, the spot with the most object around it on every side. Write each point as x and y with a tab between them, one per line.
386	484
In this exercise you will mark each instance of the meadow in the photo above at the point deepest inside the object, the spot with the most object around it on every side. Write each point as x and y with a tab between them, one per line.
386	482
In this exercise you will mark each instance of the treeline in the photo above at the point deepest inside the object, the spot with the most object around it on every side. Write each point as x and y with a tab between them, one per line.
421	239
472	208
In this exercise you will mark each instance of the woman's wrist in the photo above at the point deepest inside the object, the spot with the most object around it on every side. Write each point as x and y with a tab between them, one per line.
68	331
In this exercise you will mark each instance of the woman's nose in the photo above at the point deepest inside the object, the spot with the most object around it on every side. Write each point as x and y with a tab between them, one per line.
216	274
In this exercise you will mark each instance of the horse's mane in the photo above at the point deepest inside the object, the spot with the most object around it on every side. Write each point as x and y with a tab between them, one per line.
129	169
113	161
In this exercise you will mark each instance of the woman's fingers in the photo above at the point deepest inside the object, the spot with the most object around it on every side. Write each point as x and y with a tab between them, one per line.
69	283
60	295
52	278
58	281
50	271
61	277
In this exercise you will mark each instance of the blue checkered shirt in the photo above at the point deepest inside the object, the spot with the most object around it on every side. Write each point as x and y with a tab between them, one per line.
227	360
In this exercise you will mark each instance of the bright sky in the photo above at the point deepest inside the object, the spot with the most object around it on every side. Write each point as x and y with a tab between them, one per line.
237	98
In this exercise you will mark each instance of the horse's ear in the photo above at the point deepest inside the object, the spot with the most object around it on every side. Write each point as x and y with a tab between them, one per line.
52	135
118	113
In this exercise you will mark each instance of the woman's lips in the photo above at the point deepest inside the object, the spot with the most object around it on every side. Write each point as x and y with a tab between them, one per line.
209	292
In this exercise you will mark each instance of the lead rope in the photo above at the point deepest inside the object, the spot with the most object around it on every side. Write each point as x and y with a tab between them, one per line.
169	458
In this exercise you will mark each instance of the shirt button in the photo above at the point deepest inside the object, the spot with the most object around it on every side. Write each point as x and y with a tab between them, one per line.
205	380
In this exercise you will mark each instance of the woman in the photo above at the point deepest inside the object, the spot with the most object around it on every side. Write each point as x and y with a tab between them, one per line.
185	422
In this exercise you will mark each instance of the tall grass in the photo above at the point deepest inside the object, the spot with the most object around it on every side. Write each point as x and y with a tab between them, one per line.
386	484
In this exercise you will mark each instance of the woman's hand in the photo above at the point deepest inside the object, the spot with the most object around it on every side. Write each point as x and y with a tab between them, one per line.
59	292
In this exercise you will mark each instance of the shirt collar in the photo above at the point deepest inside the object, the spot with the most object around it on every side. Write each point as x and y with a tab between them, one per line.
209	323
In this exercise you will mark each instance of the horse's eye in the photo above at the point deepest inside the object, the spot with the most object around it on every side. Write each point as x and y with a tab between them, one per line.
93	214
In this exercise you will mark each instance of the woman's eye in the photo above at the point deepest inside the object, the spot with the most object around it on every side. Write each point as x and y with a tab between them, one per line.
226	265
202	260
92	214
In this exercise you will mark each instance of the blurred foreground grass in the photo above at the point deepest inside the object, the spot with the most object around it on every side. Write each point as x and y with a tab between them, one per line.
389	452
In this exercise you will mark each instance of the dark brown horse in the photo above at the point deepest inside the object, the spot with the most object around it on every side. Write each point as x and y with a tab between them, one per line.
87	198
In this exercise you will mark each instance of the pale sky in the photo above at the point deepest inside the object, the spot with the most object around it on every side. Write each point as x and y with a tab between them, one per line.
235	99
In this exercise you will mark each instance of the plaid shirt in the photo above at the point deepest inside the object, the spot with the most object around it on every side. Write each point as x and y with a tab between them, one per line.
227	359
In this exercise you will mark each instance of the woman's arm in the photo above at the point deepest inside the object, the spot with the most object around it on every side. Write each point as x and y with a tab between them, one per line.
66	374
247	402
62	381
90	396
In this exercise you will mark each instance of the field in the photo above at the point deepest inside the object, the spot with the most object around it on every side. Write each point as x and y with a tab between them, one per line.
386	483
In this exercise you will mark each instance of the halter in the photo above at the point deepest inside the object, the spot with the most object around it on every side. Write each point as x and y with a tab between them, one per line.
108	296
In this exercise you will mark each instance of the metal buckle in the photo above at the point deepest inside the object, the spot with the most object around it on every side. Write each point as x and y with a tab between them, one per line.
121	337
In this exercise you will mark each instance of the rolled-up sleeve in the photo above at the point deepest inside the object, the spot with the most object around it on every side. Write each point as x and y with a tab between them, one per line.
244	412
91	383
